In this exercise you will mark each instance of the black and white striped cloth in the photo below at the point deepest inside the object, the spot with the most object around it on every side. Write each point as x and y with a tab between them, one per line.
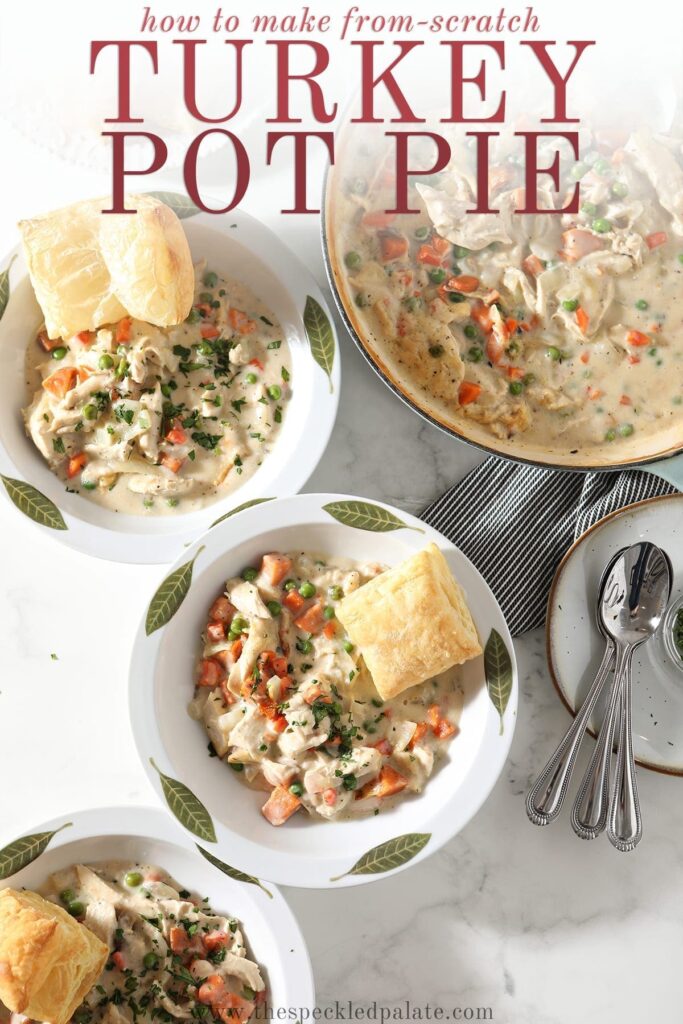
515	522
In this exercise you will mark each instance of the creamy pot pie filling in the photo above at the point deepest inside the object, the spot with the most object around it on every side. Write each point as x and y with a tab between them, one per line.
287	703
154	420
560	332
171	956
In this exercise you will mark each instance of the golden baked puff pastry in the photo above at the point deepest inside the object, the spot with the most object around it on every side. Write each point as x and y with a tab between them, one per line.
410	623
48	961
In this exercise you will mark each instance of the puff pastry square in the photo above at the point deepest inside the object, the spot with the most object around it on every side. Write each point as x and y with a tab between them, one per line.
410	623
48	961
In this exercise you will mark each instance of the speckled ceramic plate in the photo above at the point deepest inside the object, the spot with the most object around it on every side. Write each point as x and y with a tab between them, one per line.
575	646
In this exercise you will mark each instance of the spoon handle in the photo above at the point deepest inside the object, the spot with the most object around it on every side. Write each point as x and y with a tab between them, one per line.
589	813
625	828
545	798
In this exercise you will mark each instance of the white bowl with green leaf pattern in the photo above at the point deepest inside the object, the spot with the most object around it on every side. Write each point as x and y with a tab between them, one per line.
236	245
146	835
211	802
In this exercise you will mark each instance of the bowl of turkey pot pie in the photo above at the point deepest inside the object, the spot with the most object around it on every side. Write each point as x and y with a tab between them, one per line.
329	683
160	368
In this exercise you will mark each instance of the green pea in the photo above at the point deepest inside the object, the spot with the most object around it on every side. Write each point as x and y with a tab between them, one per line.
437	275
105	362
578	170
122	369
336	593
250	378
238	624
475	355
249	574
602	166
291	584
619	189
515	387
361	301
67	896
528	378
421	233
353	260
680	257
210	279
59	353
348	646
275	392
88	485
570	305
193	317
275	608
589	208
470	331
460	252
626	429
307	589
236	766
76	908
610	435
305	646
206	297
90	411
436	350
296	789
205	348
456	297
133	879
601	225
150	961
411	303
248	993
642	304
553	353
328	612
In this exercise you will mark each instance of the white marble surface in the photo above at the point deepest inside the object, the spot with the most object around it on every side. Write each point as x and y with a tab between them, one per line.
531	923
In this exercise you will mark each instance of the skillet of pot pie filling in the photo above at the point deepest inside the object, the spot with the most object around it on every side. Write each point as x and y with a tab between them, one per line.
288	702
556	334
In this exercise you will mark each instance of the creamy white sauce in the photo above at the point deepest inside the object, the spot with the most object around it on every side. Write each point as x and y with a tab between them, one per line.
166	420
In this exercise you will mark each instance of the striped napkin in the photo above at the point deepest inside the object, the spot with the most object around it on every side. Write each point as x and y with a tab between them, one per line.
515	523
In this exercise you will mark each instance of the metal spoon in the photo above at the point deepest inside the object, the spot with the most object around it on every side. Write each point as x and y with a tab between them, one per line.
642	580
545	798
590	810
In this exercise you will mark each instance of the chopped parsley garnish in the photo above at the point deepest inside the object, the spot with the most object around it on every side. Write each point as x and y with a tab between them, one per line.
204	440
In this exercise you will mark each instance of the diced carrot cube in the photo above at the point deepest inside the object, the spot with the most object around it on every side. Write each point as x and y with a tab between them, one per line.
293	601
312	619
231	1008
330	797
275	567
240	322
222	610
123	330
49	344
280	805
468	392
377	219
392	246
76	464
656	238
210	673
418	735
179	940
387	783
171	462
176	434
215	632
215	940
462	283
61	381
637	338
86	337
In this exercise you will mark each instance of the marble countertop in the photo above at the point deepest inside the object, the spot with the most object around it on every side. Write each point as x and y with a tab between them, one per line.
531	923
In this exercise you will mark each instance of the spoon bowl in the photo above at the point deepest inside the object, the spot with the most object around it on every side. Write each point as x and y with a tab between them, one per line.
635	594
